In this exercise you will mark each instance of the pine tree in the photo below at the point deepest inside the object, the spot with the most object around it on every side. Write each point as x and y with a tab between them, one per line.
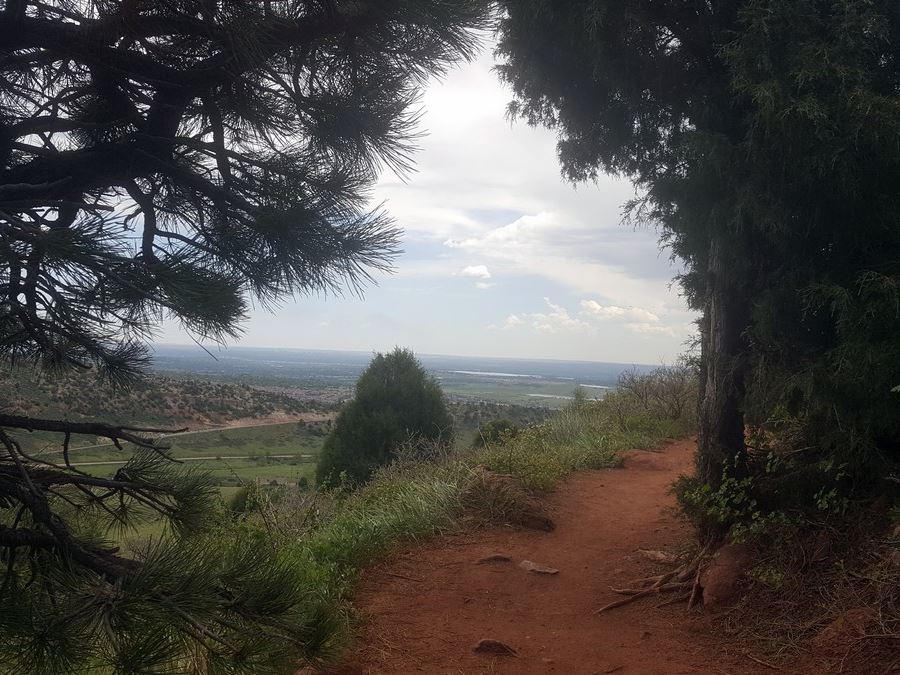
761	134
180	159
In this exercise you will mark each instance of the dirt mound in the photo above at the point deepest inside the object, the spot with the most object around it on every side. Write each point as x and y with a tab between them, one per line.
723	579
838	637
427	607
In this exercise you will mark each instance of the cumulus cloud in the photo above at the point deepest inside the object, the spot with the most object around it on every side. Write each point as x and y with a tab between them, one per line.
481	285
632	314
597	320
564	250
555	320
476	272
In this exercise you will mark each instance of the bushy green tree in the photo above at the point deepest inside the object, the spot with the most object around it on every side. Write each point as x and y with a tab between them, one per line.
179	159
396	403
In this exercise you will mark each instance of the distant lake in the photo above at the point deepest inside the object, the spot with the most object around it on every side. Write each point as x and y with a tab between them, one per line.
531	381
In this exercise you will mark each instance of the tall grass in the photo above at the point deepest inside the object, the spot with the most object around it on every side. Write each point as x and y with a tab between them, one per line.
583	436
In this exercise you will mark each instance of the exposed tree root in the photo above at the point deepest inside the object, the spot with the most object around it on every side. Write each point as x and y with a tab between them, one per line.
691	569
636	593
684	597
696	591
684	578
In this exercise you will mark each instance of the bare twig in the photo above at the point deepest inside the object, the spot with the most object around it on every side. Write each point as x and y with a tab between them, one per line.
768	665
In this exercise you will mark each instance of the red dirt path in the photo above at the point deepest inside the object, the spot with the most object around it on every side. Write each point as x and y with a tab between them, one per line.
426	608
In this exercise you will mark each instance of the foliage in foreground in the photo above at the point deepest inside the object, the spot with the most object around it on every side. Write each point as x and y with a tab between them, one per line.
179	160
192	601
268	587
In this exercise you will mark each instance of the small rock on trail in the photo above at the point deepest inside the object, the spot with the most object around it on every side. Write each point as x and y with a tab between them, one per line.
494	558
658	556
529	566
495	647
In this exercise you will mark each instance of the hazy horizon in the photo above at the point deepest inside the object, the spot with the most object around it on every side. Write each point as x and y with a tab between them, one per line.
217	350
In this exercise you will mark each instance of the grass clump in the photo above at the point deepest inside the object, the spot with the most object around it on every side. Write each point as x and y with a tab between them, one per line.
583	436
492	498
395	507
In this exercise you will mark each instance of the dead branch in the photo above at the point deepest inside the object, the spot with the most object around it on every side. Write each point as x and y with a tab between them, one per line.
665	588
768	665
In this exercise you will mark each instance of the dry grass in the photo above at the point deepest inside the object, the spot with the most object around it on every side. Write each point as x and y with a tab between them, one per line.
801	589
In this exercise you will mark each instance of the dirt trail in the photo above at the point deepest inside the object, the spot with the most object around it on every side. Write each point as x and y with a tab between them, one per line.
425	609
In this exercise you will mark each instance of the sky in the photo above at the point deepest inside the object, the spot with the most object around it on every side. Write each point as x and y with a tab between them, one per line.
501	256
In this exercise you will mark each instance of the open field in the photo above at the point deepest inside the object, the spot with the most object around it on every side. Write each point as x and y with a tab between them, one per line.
283	452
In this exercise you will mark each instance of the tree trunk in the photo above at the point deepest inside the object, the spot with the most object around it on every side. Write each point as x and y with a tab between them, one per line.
723	366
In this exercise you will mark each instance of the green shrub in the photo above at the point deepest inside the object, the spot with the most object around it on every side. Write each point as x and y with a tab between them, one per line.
396	402
241	500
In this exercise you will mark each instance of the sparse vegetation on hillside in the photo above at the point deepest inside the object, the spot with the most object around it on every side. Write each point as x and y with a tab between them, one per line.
469	417
495	432
154	400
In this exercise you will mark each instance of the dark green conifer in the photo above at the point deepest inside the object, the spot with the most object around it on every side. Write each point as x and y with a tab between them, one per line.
397	403
762	137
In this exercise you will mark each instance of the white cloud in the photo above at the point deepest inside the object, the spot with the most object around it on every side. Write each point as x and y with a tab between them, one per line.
484	286
598	320
651	329
633	314
476	272
568	252
556	320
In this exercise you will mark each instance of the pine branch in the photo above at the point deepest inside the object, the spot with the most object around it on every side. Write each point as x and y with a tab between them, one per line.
120	433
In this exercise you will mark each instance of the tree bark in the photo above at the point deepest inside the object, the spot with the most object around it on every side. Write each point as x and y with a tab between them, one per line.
721	415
